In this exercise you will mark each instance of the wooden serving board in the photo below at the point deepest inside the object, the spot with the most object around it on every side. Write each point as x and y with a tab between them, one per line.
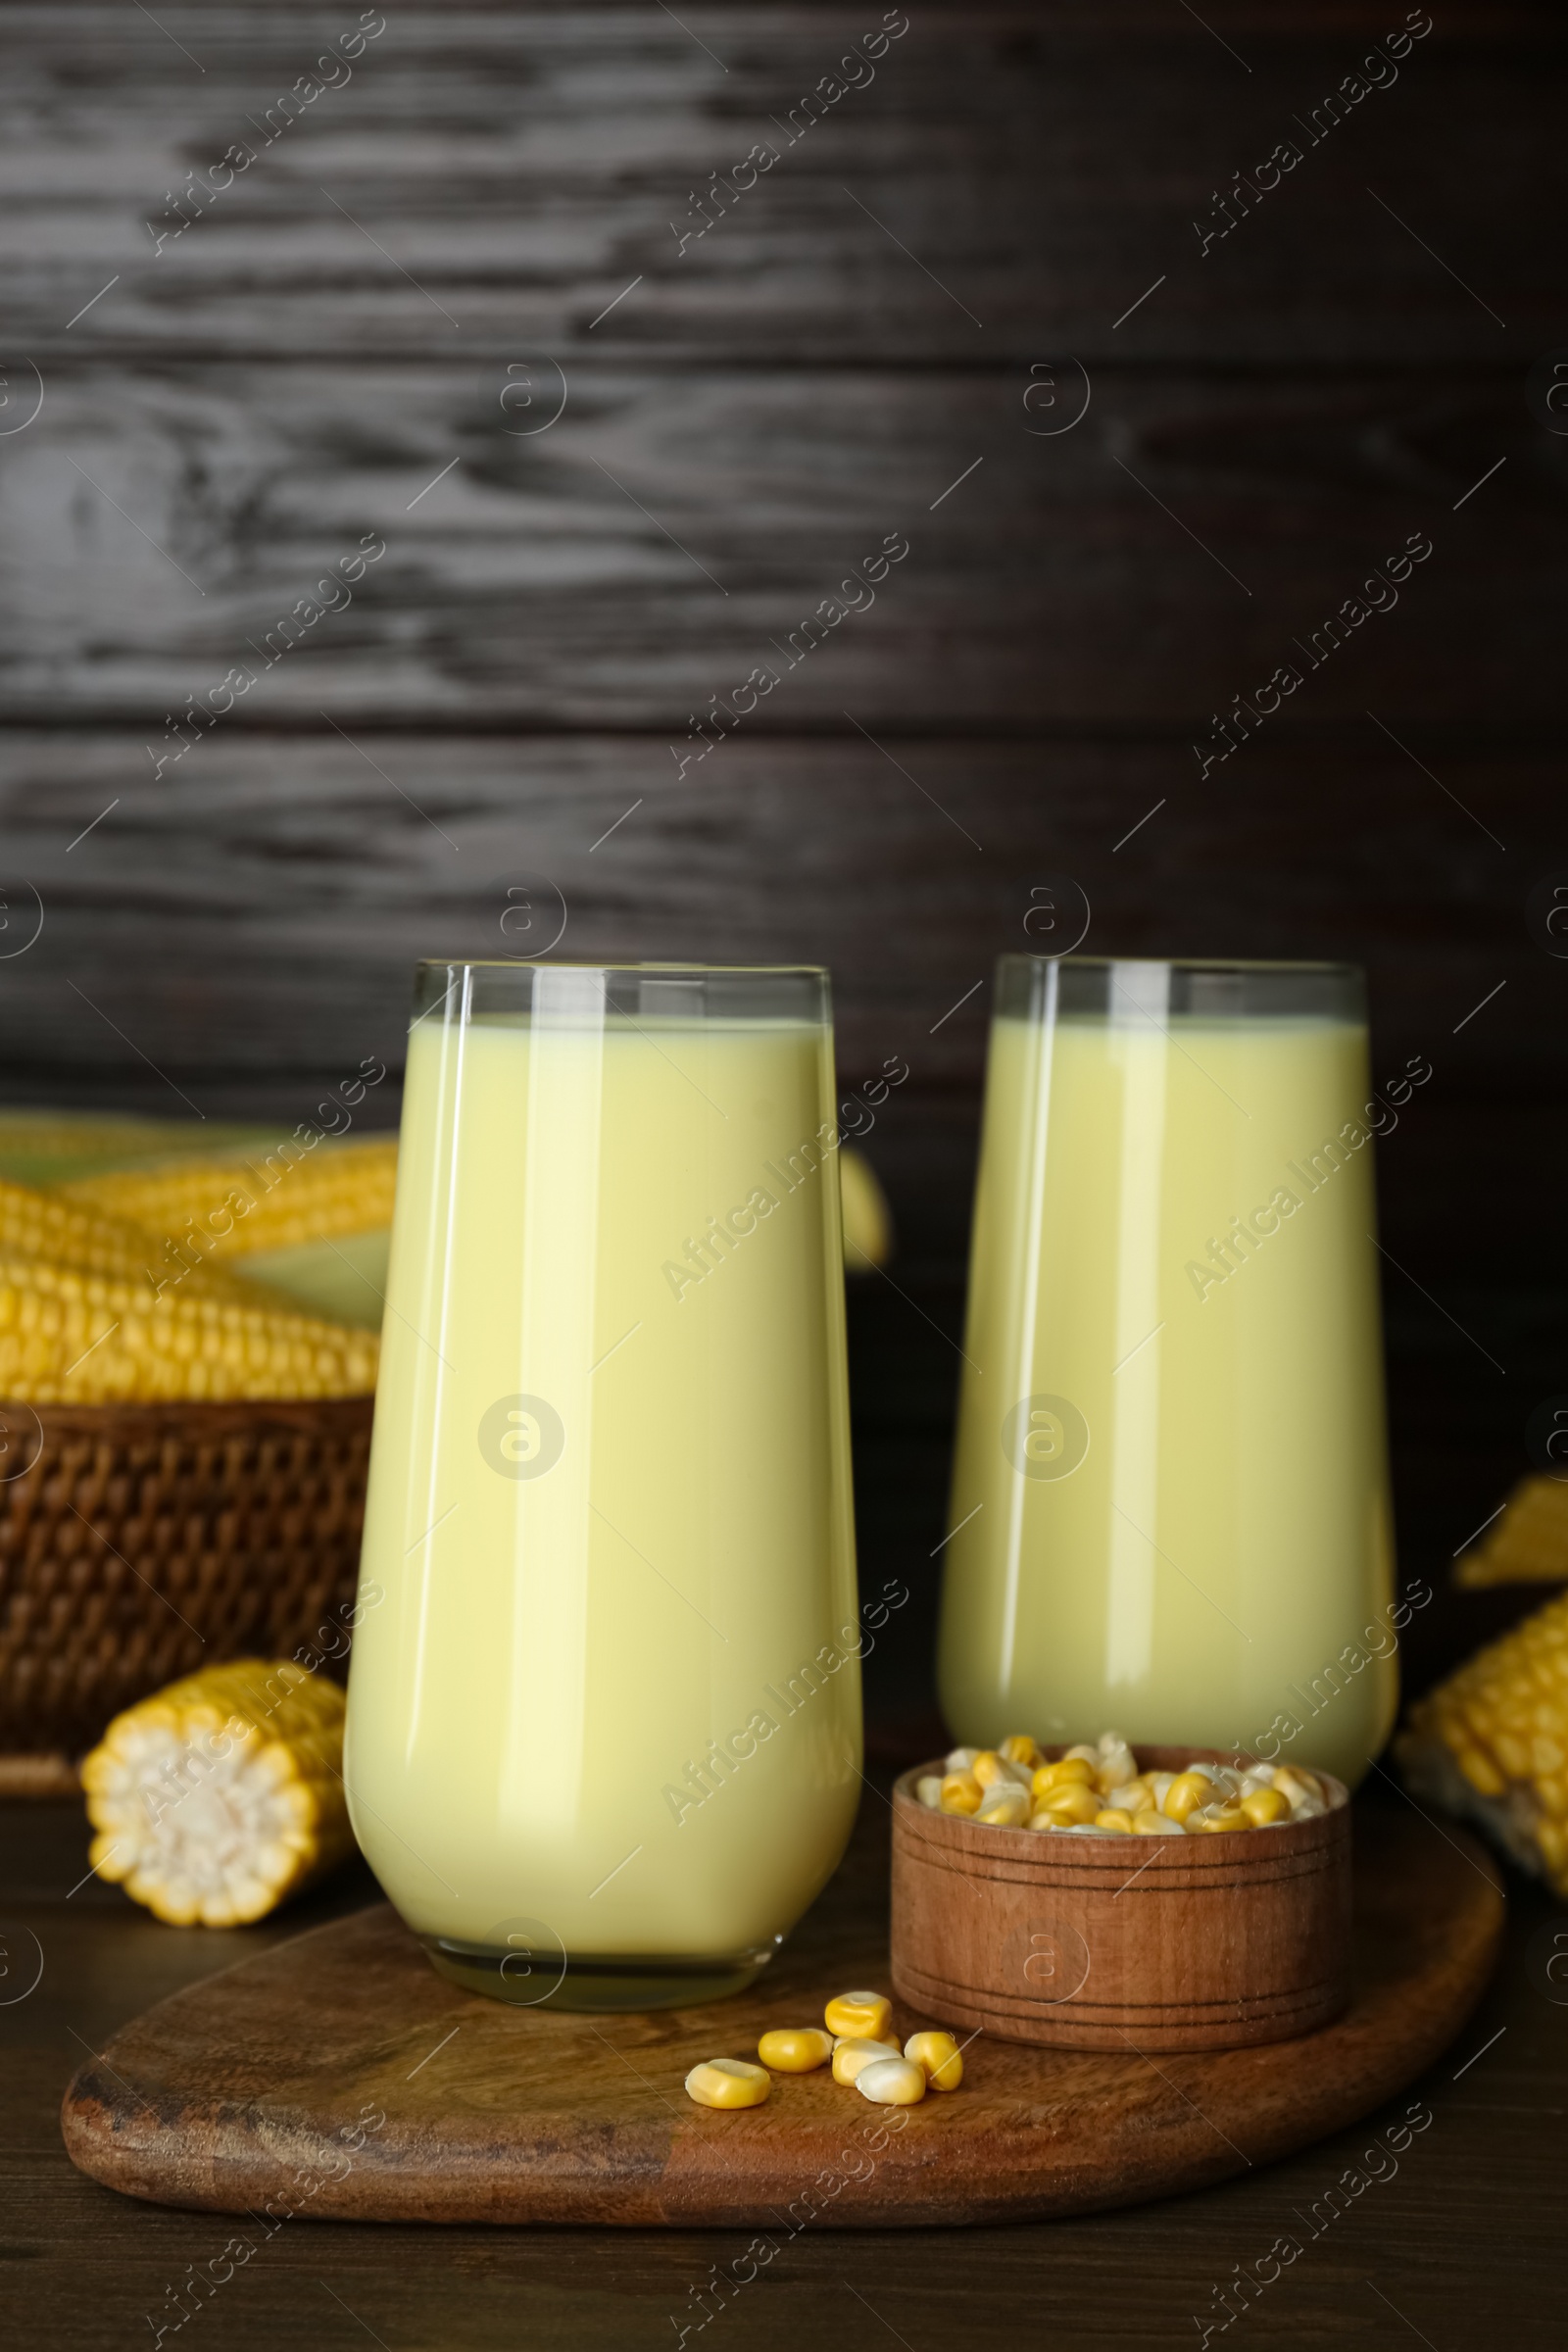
258	2090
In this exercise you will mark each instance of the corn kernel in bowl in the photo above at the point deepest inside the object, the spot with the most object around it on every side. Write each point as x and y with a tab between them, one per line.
1098	1789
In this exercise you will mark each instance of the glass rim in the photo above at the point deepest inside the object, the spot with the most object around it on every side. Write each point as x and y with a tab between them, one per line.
1187	964
566	963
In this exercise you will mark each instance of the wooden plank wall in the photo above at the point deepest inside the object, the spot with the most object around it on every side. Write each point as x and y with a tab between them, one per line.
891	330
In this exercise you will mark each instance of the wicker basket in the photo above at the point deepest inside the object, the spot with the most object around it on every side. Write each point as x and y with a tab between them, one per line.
139	1542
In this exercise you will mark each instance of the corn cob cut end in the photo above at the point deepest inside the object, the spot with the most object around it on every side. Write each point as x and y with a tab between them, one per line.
1491	1744
219	1798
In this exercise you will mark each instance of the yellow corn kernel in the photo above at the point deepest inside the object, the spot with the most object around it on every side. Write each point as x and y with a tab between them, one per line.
728	2083
1211	1820
1116	1768
1019	1749
858	2051
989	1769
892	2081
961	1792
1187	1789
1068	1772
221	1796
939	2058
83	1338
1528	1543
1488	1741
41	1226
1074	1802
794	2049
1293	1782
265	1200
858	2016
1263	1805
1114	1818
1154	1824
1005	1808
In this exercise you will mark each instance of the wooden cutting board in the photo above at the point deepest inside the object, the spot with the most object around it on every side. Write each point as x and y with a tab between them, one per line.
338	2077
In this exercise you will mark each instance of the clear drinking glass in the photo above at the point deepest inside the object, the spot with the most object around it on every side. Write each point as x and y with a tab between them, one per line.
1170	1486
604	1731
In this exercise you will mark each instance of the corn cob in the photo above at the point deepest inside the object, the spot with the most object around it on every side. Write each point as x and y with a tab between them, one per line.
1493	1741
227	1205
89	1241
1528	1545
49	1147
82	1339
223	1795
867	1219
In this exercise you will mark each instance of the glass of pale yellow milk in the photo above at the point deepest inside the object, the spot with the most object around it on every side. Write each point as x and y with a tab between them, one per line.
1170	1486
604	1731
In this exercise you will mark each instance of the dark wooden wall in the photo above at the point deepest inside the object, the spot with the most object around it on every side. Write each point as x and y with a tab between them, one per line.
918	291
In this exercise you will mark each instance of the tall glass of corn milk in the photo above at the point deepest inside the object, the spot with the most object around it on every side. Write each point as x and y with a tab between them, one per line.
1170	1484
604	1731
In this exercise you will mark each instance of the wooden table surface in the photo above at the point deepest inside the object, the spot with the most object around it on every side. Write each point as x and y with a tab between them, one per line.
1457	2243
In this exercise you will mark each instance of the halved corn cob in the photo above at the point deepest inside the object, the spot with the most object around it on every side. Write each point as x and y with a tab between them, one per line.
82	1339
1528	1545
229	1203
65	1232
223	1795
1492	1742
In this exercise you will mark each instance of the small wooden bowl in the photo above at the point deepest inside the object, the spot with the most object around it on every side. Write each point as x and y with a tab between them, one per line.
1125	1943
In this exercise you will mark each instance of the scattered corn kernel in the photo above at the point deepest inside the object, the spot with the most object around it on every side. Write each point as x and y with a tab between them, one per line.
1068	1772
794	2049
728	2083
1019	1749
929	1790
850	2056
1152	1824
859	2016
960	1792
961	1760
892	2081
1114	1818
939	2058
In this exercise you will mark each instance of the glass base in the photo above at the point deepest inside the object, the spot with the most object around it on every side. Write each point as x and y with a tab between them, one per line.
542	1979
